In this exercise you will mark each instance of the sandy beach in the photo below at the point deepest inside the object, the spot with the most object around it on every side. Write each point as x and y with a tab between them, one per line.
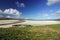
29	22
9	23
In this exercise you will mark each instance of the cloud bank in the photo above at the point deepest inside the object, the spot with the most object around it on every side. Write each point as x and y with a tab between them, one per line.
51	2
11	12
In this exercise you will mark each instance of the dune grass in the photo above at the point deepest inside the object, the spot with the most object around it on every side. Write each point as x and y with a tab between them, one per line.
49	32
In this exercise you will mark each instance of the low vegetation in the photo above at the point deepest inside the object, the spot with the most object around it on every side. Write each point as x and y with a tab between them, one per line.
49	32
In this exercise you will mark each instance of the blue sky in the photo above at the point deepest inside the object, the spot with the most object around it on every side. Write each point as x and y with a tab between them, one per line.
31	9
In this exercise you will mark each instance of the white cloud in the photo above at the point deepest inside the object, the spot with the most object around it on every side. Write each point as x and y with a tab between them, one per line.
45	15
20	4
57	12
51	2
0	11
12	12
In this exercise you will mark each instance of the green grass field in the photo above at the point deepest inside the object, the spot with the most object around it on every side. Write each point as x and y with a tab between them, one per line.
49	32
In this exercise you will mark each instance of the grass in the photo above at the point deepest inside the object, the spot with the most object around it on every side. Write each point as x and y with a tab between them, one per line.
49	32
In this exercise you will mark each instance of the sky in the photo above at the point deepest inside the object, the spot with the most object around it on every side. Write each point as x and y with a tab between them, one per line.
30	9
